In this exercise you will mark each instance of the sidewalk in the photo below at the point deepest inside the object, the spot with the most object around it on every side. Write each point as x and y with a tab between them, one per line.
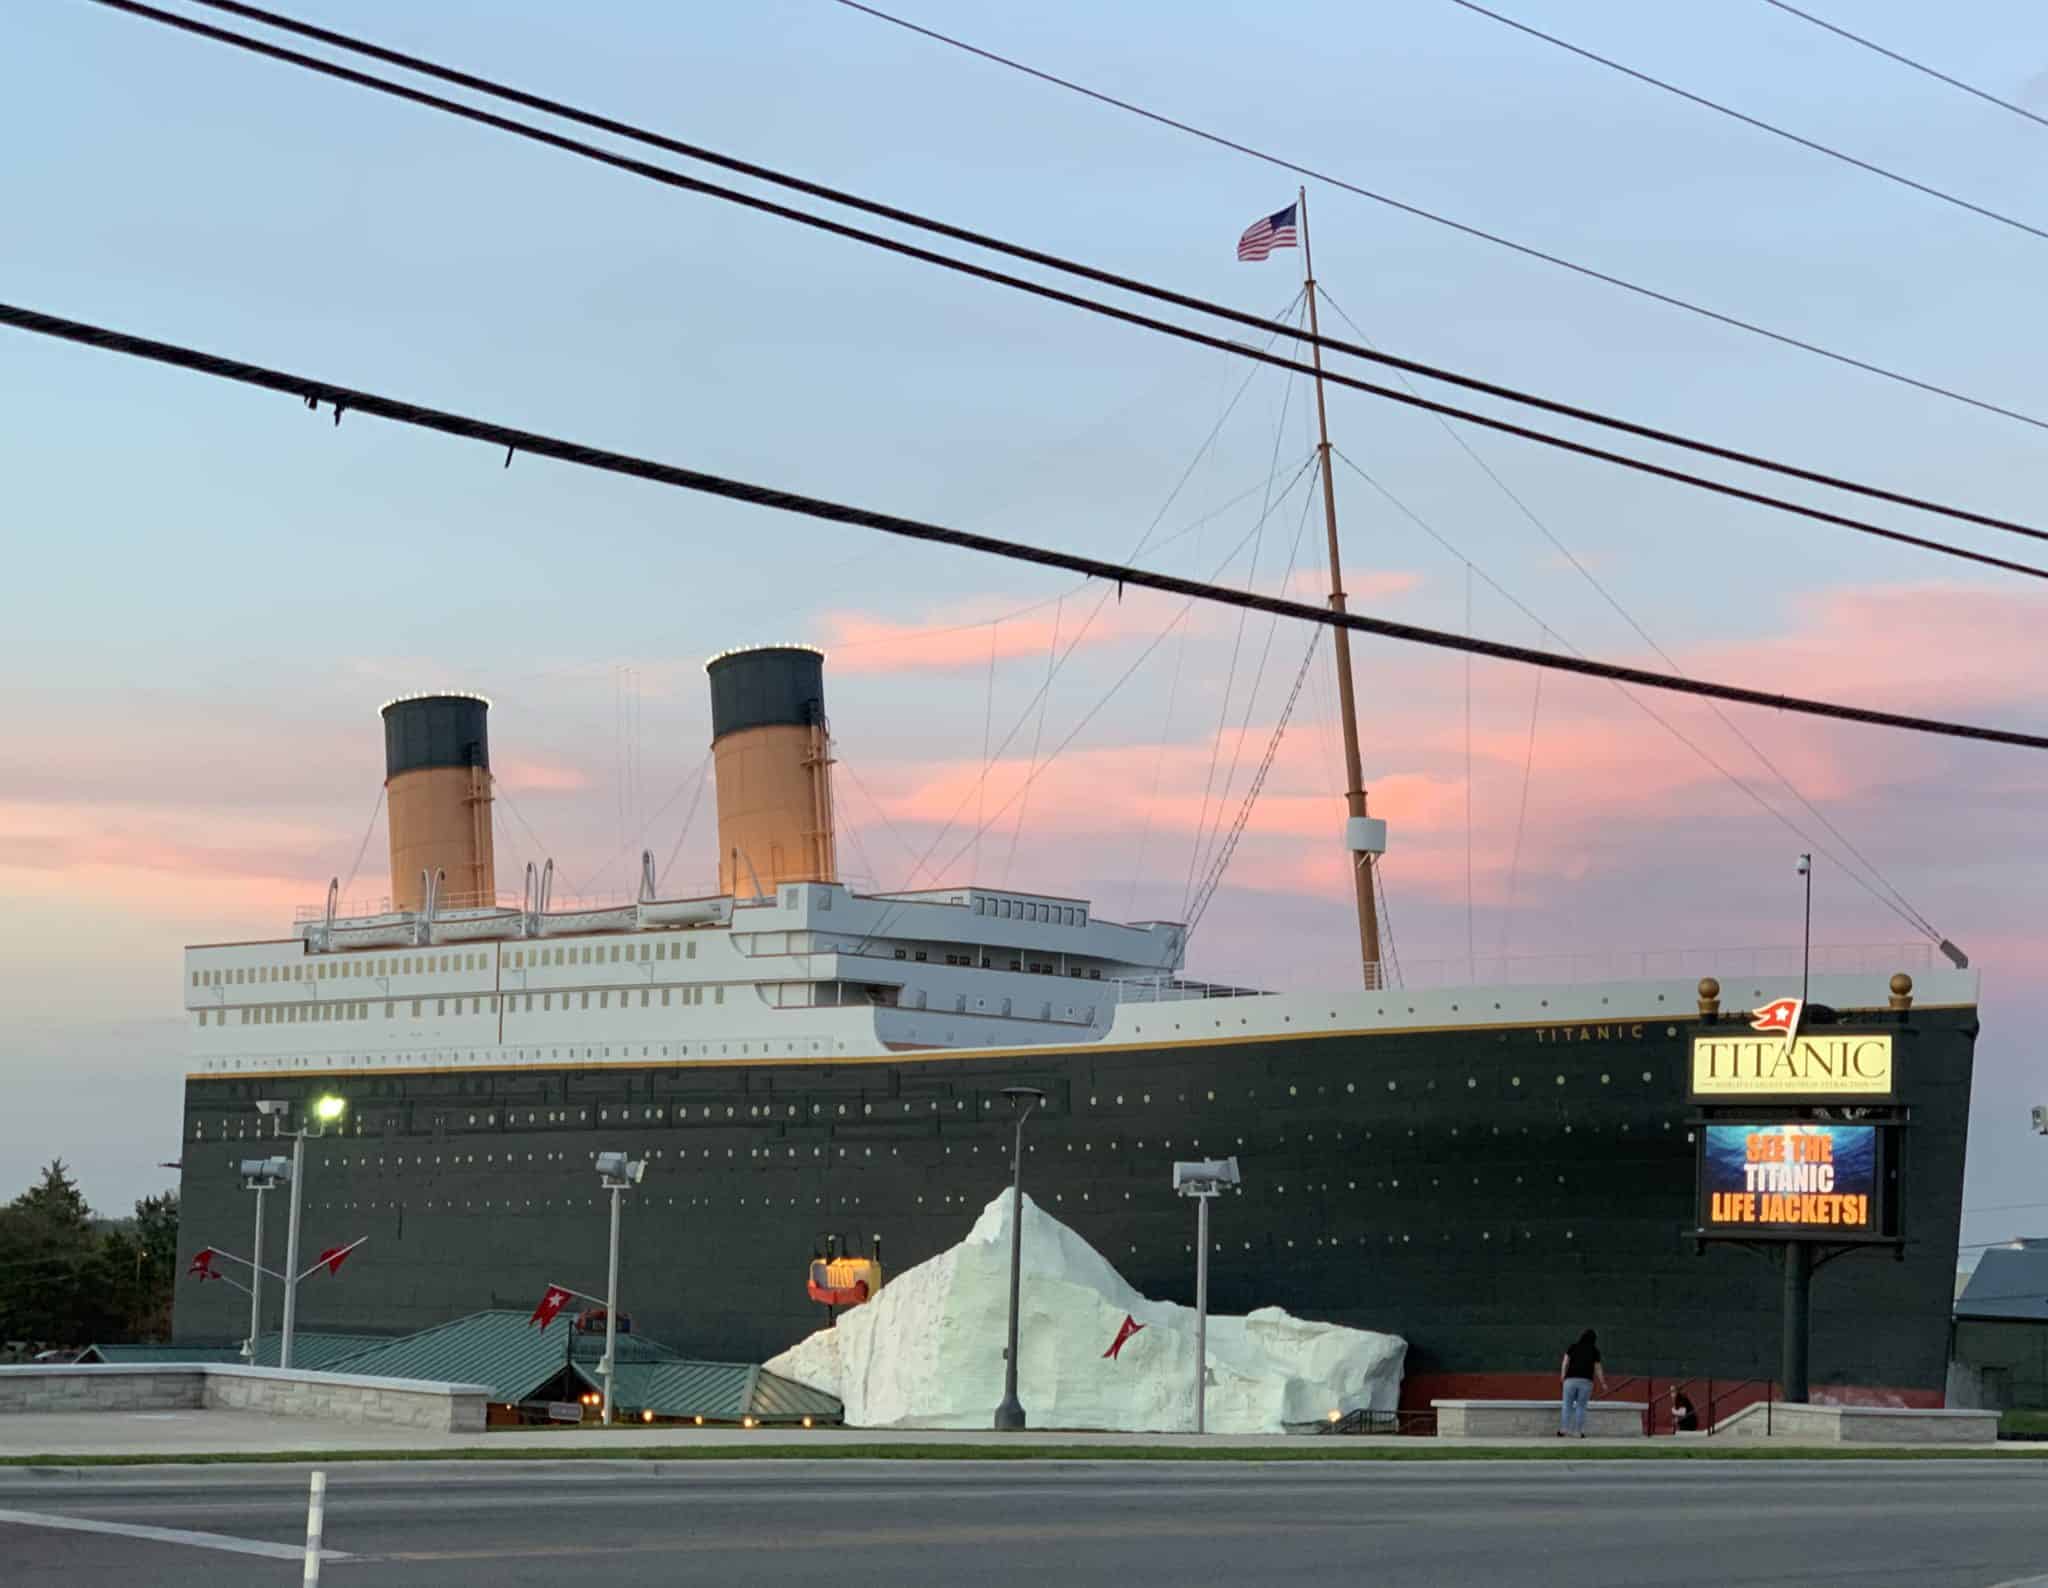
171	1436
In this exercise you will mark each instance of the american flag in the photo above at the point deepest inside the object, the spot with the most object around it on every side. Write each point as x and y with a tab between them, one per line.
1267	233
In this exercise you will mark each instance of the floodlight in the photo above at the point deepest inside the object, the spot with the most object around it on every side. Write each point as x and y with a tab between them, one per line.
266	1106
328	1109
617	1168
264	1173
1205	1176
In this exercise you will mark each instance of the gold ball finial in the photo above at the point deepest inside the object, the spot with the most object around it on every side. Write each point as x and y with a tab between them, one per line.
1901	983
1709	989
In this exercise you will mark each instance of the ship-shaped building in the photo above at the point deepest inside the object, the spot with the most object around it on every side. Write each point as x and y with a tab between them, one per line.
1483	1169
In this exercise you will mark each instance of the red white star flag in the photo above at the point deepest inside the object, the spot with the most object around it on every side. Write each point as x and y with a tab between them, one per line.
332	1258
1780	1015
553	1302
1129	1327
202	1264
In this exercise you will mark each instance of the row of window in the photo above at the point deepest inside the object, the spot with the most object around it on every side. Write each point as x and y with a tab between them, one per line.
431	964
588	954
514	1003
336	970
1029	910
1035	967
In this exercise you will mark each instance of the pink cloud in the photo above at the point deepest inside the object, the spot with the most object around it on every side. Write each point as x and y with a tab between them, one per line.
532	775
860	642
1361	585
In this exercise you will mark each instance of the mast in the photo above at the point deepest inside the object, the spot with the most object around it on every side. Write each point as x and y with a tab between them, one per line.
1365	840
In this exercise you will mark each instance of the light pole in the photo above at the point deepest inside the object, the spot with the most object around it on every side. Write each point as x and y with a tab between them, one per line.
1204	1181
326	1111
1806	939
618	1173
261	1175
1010	1415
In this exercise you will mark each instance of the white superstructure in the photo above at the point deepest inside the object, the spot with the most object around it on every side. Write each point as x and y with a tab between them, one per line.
813	969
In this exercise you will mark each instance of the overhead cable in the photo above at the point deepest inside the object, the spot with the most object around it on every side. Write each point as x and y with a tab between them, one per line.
342	400
1928	189
1527	250
675	179
1907	60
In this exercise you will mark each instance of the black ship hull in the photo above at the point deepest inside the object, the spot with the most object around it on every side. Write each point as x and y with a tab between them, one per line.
1485	1193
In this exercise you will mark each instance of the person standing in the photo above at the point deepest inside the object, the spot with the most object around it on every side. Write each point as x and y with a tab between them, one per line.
1581	1371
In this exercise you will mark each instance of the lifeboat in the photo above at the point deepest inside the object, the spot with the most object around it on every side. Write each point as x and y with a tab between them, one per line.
837	1281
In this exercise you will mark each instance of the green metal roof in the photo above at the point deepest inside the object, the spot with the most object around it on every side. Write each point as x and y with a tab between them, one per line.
502	1349
143	1354
314	1351
716	1391
777	1398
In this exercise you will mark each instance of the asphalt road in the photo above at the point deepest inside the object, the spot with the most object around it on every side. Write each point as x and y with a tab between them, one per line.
1074	1524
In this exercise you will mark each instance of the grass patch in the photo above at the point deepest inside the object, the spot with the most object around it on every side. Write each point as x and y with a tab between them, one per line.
1030	1450
2023	1425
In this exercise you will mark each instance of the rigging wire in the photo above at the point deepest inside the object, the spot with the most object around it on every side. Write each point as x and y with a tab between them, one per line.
1507	915
1471	941
988	717
1188	473
909	848
1942	195
1912	914
1236	647
1308	501
676	179
499	791
1030	705
689	818
1228	846
1907	60
363	848
1037	739
1115	575
1527	250
1903	911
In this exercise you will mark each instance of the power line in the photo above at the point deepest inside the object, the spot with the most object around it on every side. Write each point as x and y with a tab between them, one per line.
1124	283
1758	122
1669	300
1907	60
347	399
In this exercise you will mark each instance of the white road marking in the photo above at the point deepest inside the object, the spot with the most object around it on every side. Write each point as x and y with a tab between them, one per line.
168	1535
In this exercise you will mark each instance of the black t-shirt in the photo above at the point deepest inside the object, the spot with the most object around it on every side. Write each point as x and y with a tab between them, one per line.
1580	1359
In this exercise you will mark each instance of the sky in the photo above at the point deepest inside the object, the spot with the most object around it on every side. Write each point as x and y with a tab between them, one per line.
211	591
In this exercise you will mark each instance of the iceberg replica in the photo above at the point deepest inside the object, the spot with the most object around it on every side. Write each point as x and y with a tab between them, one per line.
927	1352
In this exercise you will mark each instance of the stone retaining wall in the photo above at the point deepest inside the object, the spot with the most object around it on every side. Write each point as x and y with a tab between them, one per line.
325	1397
1860	1425
1533	1419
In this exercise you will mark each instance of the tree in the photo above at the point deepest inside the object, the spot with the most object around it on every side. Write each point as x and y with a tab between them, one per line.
46	1243
64	1282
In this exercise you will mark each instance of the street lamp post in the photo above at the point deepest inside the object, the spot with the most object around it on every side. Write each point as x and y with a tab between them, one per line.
261	1175
1010	1415
326	1111
618	1173
1204	1181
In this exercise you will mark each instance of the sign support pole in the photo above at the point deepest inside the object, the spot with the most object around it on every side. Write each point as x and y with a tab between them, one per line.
1798	1320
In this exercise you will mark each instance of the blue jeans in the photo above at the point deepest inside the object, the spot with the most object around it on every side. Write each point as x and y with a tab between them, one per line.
1578	1392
